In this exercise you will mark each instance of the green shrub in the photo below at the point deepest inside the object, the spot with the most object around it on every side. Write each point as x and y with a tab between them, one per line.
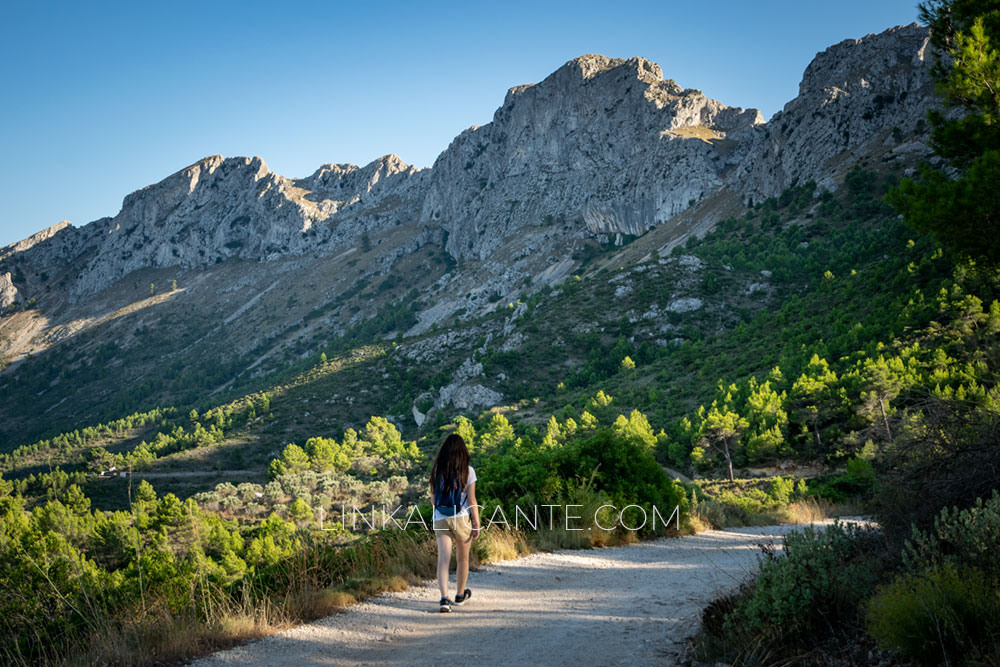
751	500
781	489
620	467
720	515
937	615
969	537
946	605
860	469
748	502
628	472
857	481
822	577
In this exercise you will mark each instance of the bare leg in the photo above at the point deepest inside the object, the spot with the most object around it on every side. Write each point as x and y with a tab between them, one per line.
444	562
462	555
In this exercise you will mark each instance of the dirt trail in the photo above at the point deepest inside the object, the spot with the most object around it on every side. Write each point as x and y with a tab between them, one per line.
631	605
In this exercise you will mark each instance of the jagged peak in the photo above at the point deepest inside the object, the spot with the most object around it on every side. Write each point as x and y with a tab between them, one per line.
212	162
386	165
209	164
184	181
592	65
909	29
393	161
634	119
850	59
332	168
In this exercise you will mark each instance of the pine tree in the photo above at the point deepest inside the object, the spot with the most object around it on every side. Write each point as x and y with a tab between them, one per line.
300	512
465	429
722	430
812	396
962	213
497	432
883	382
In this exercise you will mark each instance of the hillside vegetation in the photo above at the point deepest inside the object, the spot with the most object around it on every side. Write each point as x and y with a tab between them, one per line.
811	354
902	325
923	585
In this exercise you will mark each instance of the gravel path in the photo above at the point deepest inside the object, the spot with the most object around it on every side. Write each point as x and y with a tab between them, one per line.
629	605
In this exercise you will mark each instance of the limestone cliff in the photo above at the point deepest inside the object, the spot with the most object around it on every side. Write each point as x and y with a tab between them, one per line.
601	147
852	99
603	143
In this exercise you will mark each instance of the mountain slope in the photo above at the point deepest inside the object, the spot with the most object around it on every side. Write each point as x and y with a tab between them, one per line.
270	270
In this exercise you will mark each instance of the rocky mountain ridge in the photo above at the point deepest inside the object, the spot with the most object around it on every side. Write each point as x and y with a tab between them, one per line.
268	269
603	146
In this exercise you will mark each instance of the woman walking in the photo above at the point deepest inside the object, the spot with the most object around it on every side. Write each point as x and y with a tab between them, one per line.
453	483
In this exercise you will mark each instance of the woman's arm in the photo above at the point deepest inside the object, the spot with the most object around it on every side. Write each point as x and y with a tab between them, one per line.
474	510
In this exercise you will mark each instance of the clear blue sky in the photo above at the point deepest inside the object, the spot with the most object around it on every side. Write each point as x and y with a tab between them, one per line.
100	100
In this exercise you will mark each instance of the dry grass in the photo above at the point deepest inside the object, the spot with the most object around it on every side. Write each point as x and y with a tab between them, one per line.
706	134
698	523
160	638
588	538
806	511
388	563
500	545
312	603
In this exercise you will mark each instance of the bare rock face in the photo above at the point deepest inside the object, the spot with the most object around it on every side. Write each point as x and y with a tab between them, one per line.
465	394
220	208
850	99
602	142
347	184
50	246
599	149
9	296
44	251
214	209
35	239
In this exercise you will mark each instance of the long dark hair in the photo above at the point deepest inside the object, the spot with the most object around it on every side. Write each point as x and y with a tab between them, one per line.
451	464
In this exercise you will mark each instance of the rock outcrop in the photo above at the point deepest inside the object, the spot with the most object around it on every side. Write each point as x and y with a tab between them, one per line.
220	208
212	210
344	185
602	142
9	296
465	394
49	247
851	99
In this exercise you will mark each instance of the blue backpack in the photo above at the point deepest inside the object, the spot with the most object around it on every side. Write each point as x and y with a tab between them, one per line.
448	502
